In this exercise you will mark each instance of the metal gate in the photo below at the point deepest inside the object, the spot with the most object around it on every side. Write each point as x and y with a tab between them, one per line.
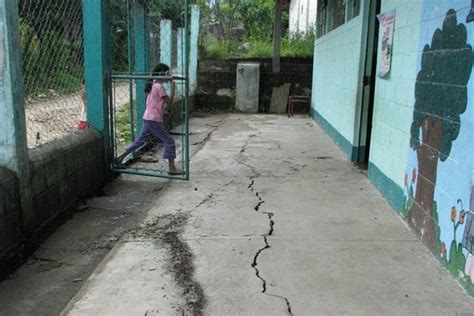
144	33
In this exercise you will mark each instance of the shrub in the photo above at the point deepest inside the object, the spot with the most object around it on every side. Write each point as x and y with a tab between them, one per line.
217	50
298	45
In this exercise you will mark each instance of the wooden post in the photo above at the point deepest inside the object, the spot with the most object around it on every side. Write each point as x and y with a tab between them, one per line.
277	36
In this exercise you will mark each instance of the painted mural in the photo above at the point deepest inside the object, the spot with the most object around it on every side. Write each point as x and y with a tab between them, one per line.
440	176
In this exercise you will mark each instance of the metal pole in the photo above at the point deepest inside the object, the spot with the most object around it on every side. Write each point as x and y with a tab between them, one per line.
186	89
130	82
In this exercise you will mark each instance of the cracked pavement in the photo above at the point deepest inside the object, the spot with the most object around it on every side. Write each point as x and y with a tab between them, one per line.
278	222
275	221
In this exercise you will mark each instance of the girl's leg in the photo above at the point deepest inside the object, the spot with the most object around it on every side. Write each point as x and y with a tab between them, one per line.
140	141
162	133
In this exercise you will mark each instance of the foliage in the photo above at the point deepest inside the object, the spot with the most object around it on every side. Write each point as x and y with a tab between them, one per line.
51	46
257	18
298	45
244	28
258	49
123	132
217	50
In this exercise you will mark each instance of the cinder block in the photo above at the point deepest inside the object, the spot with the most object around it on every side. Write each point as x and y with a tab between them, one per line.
3	209
38	179
46	204
248	86
68	193
10	230
84	181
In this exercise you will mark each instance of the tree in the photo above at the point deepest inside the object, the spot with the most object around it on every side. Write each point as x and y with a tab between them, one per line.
277	36
441	97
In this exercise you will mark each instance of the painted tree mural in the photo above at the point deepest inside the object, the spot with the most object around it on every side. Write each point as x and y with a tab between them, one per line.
441	97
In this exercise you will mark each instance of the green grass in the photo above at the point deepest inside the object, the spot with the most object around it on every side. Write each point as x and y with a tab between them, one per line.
123	131
217	50
297	45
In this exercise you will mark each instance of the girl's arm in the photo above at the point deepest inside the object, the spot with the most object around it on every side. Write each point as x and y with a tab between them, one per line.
169	99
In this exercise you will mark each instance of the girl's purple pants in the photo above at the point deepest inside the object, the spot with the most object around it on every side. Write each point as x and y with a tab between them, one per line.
158	130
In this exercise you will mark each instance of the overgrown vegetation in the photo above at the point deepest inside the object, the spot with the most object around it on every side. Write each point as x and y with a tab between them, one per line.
244	28
52	50
51	35
123	132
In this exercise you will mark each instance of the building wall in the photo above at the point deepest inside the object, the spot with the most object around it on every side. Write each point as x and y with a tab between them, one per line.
336	73
395	97
424	128
62	172
423	121
302	15
217	82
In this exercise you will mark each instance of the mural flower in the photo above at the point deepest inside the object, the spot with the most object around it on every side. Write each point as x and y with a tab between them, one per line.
462	215
413	175
453	214
406	179
442	250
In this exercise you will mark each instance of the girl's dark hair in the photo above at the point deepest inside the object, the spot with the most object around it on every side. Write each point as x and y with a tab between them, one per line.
159	70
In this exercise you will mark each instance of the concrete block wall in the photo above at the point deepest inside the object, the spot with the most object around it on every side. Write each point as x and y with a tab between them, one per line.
217	81
10	214
64	171
432	193
395	94
423	119
336	72
61	173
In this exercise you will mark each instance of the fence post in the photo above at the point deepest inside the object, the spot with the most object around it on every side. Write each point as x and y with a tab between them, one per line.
166	46
193	49
166	42
180	59
140	28
97	68
13	138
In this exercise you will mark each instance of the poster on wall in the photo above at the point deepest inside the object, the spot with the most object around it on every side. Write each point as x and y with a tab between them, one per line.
387	25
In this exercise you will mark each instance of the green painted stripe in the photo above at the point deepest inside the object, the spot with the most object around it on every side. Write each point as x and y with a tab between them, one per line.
346	146
387	187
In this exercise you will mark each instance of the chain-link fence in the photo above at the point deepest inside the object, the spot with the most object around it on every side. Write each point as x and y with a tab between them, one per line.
143	35
52	54
52	51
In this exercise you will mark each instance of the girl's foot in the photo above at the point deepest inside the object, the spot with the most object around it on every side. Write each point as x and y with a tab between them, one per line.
175	172
119	165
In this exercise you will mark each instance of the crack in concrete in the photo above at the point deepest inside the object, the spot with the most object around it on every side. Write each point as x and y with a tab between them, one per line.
207	199
244	147
271	222
267	246
210	133
169	229
257	207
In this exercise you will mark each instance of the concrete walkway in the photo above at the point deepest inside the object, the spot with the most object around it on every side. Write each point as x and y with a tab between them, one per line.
275	221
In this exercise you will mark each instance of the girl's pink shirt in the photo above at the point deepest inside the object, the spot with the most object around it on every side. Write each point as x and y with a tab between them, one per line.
155	103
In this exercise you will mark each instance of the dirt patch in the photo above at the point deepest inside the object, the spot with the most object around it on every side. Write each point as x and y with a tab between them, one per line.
168	229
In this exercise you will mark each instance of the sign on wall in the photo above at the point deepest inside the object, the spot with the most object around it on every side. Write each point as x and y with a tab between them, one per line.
387	25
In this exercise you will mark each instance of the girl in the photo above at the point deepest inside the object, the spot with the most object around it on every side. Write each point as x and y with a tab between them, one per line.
153	119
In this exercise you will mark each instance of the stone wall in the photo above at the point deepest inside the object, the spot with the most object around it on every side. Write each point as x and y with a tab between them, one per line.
217	81
61	173
10	216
